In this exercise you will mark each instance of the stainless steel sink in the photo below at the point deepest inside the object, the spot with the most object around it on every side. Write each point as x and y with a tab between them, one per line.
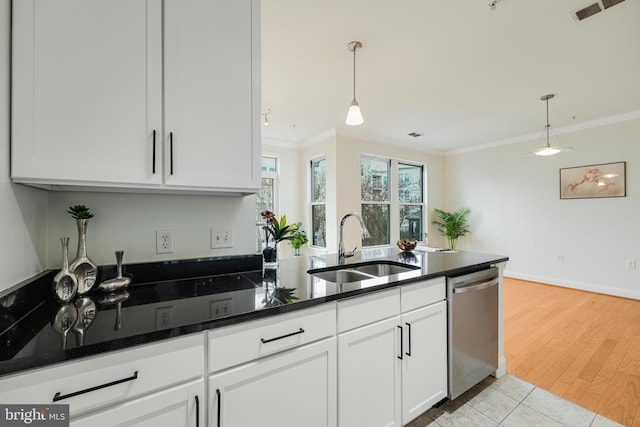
342	276
359	272
381	270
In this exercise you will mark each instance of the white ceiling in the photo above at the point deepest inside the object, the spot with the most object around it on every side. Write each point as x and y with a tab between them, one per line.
455	70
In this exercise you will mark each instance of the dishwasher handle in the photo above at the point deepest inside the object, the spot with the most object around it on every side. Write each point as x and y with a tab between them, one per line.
476	287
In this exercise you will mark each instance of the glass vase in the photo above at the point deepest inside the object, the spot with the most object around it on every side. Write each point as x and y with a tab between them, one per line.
270	255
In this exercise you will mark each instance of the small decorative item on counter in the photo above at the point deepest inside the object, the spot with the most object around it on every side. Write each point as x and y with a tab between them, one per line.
86	313
85	270
65	284
299	239
275	231
119	282
407	245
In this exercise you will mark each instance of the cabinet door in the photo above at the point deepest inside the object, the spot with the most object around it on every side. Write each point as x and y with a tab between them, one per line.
424	365
181	406
291	389
87	92
369	381
212	94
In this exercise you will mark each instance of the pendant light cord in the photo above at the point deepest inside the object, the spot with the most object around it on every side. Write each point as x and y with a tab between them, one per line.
354	72
548	125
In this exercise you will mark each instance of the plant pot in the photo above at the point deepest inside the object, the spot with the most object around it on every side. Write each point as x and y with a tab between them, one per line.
85	270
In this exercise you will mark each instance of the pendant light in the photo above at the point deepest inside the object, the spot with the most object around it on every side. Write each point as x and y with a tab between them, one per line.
354	116
548	150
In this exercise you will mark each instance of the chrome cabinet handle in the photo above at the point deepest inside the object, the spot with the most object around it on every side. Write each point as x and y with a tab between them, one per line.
171	153
401	341
299	331
59	396
476	287
219	400
197	411
408	353
153	167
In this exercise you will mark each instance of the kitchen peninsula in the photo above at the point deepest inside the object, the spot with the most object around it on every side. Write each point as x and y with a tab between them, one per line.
186	330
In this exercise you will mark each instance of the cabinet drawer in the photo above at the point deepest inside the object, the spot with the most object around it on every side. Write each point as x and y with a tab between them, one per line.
157	366
239	344
423	293
362	310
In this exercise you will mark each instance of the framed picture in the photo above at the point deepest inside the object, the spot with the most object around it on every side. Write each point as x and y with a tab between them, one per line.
603	180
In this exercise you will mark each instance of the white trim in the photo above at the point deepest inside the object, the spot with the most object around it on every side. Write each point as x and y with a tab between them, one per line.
282	144
318	138
603	121
583	286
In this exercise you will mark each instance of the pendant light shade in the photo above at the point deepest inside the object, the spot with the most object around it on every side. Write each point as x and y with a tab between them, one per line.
354	116
548	149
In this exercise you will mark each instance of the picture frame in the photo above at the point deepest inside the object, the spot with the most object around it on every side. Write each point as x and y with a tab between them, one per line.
594	181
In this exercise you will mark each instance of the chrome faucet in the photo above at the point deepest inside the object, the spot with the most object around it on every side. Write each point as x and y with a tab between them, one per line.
365	235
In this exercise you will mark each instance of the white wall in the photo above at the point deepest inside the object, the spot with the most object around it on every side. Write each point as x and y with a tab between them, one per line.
129	222
22	210
517	211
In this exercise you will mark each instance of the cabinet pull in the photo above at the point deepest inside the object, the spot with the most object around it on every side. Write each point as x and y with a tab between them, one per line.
408	353
171	153
219	400
153	168
197	411
401	341
299	331
58	396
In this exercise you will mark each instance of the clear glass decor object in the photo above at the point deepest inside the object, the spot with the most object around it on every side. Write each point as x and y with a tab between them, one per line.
65	284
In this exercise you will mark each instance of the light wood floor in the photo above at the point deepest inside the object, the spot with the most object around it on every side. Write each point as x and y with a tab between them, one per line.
582	346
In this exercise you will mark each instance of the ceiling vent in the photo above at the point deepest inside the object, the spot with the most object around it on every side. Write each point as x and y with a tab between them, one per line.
415	134
592	9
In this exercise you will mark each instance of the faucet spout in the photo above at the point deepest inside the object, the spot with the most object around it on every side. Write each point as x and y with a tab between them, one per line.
363	229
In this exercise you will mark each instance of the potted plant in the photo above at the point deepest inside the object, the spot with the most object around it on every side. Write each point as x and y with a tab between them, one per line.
452	224
275	231
299	239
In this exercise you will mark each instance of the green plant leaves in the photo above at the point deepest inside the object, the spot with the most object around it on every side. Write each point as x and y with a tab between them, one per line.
452	224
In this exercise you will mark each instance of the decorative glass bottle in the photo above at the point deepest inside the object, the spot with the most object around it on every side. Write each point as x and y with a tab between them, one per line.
82	266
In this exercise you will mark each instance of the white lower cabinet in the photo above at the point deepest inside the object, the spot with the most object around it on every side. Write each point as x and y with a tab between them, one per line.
369	375
424	363
293	388
392	355
181	406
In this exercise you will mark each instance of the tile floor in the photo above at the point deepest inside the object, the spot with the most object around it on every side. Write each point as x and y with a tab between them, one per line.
509	402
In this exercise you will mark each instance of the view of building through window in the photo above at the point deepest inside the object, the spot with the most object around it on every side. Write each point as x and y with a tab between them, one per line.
383	198
266	198
318	202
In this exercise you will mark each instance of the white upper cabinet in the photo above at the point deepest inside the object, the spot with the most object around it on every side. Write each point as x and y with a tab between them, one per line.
95	105
212	92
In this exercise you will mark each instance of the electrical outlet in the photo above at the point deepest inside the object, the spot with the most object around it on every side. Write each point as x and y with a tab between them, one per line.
631	264
221	237
164	317
164	242
221	308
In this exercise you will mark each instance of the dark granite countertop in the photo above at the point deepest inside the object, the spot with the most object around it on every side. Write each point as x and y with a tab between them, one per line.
174	298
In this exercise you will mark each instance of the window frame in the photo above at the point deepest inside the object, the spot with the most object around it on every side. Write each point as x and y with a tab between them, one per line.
276	196
394	198
312	203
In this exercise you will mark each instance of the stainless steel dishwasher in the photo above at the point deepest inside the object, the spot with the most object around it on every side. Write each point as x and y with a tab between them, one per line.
472	302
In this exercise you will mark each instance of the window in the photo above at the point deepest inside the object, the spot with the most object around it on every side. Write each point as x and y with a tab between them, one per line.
374	180
318	202
392	209
266	198
410	201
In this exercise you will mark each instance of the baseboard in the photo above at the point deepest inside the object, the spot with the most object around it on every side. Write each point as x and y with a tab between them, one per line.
502	367
590	287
